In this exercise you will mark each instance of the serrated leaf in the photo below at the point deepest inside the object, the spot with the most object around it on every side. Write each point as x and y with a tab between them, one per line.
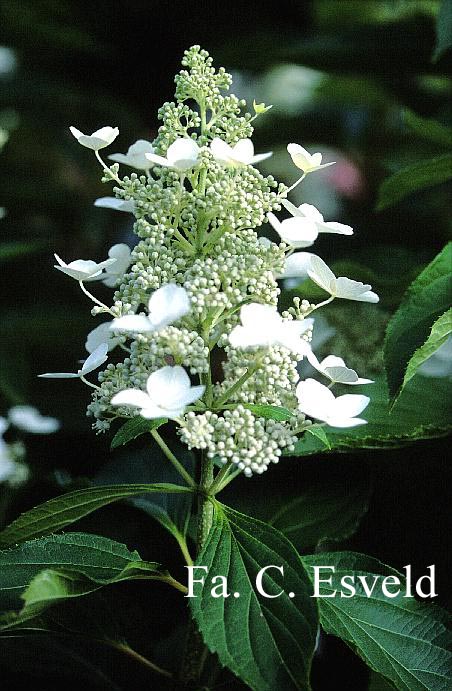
323	512
439	333
414	178
320	433
423	412
70	565
62	511
268	643
270	412
134	428
401	638
432	130
425	300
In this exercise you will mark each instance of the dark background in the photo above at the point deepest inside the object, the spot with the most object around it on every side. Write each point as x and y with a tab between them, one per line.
340	75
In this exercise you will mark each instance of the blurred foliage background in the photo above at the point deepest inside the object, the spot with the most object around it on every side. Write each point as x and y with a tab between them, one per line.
355	79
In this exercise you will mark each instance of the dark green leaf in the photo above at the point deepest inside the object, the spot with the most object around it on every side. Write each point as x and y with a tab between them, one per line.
401	638
443	29
57	513
57	567
440	331
320	433
432	130
419	176
425	300
135	427
268	643
323	511
11	250
422	412
270	412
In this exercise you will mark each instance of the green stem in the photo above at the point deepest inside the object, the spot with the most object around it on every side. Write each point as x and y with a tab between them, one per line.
216	484
172	458
195	650
227	395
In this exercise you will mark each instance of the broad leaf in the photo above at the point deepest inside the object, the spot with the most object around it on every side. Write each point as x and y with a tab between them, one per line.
133	428
431	130
266	642
404	640
270	412
439	333
320	433
414	178
425	300
57	567
60	512
324	511
443	29
423	412
149	465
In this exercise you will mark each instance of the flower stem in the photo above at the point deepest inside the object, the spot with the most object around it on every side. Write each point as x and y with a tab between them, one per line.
95	300
195	650
227	395
292	187
172	458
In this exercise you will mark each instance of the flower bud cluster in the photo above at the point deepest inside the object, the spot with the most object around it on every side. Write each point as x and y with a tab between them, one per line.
239	437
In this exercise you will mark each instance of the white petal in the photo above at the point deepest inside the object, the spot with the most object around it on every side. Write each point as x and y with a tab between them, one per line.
333	227
349	405
119	158
152	411
291	208
343	422
158	160
261	157
101	334
314	399
75	132
349	289
300	157
254	315
311	211
134	397
95	360
297	265
183	153
115	204
107	134
321	274
194	393
221	151
316	159
168	386
341	375
59	375
298	232
243	151
168	304
332	361
29	419
132	322
274	222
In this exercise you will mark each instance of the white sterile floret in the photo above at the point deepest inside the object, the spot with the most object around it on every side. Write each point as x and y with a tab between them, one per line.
101	334
98	139
169	391
263	326
135	156
297	232
240	154
166	305
309	211
82	269
182	155
318	402
115	271
29	419
116	204
337	371
297	265
95	360
341	287
305	161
